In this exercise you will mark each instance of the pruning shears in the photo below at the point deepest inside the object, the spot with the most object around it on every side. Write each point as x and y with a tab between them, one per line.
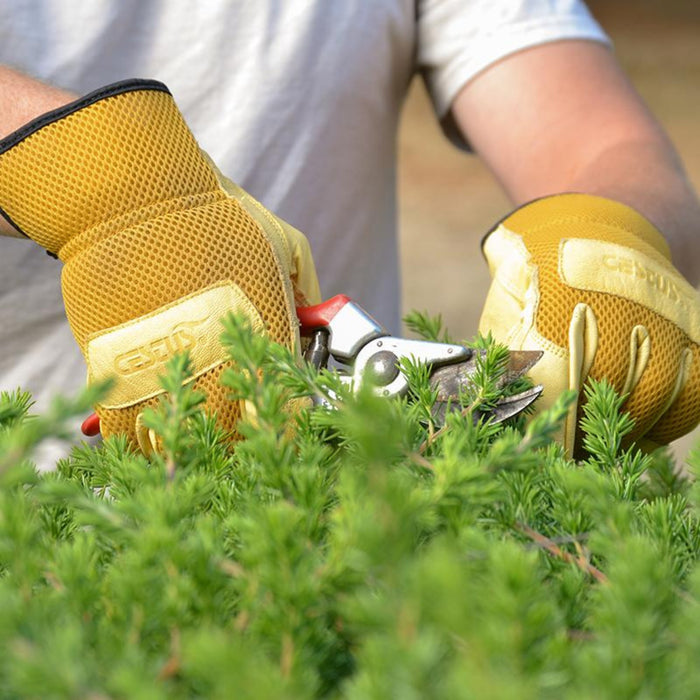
341	329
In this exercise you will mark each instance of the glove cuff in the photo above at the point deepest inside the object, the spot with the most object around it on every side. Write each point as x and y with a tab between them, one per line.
592	216
109	155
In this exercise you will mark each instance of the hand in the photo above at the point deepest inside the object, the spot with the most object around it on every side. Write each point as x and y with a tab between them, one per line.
590	282
157	245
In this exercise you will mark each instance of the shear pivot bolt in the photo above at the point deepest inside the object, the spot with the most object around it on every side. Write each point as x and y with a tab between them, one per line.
383	368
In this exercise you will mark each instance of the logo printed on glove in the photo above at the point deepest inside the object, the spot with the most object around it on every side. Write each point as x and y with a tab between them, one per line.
191	324
157	352
634	269
585	264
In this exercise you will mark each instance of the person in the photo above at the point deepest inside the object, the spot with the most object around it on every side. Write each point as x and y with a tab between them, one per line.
299	103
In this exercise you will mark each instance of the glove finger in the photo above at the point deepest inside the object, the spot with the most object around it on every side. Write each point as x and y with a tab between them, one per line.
227	412
684	413
583	344
658	387
639	353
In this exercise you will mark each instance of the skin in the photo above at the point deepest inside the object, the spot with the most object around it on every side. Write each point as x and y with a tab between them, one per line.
520	115
571	97
22	98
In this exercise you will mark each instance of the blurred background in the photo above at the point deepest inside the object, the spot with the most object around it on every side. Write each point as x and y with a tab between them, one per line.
448	200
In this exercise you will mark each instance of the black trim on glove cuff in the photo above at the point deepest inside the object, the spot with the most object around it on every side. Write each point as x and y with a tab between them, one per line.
118	88
55	115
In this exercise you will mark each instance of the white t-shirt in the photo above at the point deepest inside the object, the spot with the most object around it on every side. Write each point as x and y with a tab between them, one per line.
296	100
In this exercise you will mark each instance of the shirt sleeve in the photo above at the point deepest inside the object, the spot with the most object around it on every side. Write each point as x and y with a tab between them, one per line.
457	39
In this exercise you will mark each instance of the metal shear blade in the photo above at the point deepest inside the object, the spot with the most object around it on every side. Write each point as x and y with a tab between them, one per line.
452	381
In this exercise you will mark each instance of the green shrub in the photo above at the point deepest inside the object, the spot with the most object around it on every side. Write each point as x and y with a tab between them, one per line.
363	554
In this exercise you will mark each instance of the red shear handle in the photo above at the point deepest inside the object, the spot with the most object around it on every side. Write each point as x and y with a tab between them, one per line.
320	316
91	425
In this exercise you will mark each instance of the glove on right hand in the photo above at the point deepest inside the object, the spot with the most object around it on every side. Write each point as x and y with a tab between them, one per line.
157	245
589	282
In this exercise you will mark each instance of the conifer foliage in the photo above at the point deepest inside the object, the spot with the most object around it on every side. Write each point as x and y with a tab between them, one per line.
355	550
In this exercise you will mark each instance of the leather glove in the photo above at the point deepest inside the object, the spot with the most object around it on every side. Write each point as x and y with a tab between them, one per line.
157	245
590	283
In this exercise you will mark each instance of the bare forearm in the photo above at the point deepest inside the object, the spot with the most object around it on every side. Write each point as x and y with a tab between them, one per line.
22	99
563	117
649	177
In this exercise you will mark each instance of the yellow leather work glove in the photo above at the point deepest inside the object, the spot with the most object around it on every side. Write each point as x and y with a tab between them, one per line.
157	245
589	282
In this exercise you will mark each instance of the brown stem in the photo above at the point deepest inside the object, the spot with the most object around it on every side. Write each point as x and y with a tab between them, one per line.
432	437
553	548
172	665
421	461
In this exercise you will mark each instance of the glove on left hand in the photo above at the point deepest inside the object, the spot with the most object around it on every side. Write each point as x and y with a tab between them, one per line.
589	282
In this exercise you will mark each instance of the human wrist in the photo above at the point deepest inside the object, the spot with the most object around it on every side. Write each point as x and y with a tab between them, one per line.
23	98
650	178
